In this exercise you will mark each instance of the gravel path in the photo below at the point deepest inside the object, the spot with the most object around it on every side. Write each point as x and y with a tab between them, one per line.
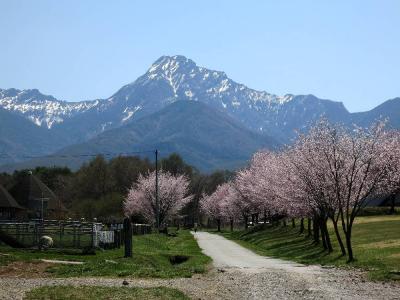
239	274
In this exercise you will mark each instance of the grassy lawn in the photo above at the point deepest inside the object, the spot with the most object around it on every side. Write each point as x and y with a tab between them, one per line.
151	258
100	293
376	242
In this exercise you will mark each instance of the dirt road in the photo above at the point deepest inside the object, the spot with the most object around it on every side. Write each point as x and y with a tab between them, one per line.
260	277
228	254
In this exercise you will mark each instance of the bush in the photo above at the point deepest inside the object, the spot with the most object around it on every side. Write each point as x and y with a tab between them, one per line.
376	211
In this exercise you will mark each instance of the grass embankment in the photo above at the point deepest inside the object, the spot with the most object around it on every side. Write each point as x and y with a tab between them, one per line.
100	293
376	242
152	257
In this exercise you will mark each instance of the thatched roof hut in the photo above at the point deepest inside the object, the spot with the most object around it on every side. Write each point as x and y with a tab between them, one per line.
9	208
36	196
38	190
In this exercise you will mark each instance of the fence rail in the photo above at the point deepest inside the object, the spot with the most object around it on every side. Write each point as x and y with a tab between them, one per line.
69	234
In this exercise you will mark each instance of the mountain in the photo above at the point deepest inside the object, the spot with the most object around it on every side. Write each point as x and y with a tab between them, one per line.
20	137
205	137
172	79
42	110
169	79
388	110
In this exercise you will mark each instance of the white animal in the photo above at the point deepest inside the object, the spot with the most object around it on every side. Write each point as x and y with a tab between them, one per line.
45	242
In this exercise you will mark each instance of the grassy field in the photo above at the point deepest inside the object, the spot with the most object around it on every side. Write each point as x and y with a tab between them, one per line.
103	293
154	255
376	242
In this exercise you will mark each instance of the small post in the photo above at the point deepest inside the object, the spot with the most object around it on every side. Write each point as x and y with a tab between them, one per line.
128	237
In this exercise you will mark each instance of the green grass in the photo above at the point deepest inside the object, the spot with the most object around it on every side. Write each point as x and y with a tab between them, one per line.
151	258
100	293
376	243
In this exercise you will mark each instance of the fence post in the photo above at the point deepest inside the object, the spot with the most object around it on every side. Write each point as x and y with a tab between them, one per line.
116	238
79	235
91	236
122	237
74	236
60	235
128	237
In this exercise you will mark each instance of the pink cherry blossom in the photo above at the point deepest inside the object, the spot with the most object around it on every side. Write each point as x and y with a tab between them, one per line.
172	195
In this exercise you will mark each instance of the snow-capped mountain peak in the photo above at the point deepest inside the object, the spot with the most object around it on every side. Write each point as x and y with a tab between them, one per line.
189	81
43	110
169	79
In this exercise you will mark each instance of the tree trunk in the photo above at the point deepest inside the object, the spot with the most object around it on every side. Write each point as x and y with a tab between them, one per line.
284	222
265	217
219	225
293	223
256	218
252	219
324	227
316	231
323	236
309	227
349	246
301	226
231	221
246	221
338	237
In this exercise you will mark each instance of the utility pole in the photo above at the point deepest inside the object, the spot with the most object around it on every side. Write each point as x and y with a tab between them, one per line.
42	199
42	212
157	200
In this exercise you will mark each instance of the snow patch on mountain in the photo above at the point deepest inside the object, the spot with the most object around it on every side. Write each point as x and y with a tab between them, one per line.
185	79
129	112
42	110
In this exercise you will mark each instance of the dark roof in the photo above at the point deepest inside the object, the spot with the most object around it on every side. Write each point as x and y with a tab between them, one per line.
7	201
383	200
38	190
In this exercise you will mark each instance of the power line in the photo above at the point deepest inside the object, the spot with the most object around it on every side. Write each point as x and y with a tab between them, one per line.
78	155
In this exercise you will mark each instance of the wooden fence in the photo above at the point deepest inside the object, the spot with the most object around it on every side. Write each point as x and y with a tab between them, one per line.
69	234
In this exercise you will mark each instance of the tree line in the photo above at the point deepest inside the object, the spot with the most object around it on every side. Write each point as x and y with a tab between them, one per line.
98	188
328	174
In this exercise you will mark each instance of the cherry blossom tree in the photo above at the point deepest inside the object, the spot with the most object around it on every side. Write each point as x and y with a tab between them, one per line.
268	184
257	185
329	173
228	204
342	171
362	175
172	195
213	206
391	185
310	158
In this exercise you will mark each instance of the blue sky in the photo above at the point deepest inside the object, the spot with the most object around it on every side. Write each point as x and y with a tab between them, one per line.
347	51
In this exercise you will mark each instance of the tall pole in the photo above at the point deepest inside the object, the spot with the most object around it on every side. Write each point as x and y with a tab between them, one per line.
157	200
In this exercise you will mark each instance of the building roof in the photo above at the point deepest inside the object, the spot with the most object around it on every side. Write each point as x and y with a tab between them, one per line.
7	201
38	190
383	200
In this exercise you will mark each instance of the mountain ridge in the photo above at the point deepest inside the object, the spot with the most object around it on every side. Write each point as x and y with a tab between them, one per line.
168	80
205	137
